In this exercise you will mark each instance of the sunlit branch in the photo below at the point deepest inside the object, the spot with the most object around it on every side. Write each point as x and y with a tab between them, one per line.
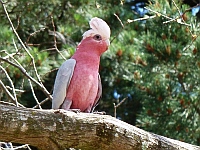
115	106
42	102
12	85
3	87
55	42
170	19
33	92
28	76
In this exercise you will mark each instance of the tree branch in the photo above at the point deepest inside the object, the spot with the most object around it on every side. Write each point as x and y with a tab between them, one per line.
3	87
21	42
12	85
55	42
39	82
47	129
28	76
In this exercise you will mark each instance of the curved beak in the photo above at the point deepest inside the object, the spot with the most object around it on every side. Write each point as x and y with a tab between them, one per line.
107	42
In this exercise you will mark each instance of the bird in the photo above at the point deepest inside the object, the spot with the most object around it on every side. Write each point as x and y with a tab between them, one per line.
78	84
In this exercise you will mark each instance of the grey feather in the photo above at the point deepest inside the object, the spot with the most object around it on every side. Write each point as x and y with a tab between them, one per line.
62	82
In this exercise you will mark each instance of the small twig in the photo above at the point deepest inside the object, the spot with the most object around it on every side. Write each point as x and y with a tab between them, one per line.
16	53
18	21
33	44
12	85
140	19
49	49
34	33
22	84
157	13
176	20
170	19
17	90
42	102
34	94
3	87
7	103
184	49
10	55
130	21
47	73
115	106
181	15
115	110
177	9
119	20
55	42
189	9
121	102
119	30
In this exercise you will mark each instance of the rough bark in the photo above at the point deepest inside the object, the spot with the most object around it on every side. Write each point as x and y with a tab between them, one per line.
46	129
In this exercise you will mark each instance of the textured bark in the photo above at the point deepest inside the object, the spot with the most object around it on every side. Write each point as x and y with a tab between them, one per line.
46	129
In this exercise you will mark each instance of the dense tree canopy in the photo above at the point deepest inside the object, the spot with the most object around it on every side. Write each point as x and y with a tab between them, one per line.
153	63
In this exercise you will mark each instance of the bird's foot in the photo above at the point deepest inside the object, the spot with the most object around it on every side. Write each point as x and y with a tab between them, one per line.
59	111
99	112
62	111
75	110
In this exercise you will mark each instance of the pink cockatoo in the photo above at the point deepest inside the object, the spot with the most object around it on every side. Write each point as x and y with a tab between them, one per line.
78	84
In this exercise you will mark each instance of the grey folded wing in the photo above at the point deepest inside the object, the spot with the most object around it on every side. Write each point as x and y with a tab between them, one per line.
62	82
99	93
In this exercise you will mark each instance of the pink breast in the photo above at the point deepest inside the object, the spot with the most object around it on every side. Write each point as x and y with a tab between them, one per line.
83	88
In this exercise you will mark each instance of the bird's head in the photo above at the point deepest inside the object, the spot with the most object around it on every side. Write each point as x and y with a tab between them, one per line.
98	35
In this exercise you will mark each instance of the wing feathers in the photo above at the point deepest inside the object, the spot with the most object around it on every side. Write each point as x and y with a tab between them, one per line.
62	82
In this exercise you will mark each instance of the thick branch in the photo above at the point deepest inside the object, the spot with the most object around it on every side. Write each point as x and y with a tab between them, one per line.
46	129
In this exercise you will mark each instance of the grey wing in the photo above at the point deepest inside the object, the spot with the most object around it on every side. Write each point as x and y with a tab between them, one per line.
99	93
62	82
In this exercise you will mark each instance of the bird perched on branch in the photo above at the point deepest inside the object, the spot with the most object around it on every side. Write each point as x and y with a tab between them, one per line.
78	84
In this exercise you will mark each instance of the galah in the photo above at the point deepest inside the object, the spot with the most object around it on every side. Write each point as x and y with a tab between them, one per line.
78	84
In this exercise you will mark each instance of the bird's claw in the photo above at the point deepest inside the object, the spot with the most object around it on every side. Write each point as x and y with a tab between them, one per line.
75	110
62	111
99	112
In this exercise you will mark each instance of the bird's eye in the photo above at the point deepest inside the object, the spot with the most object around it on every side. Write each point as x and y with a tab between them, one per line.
97	37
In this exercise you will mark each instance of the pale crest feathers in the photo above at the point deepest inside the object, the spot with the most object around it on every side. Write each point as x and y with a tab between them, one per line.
98	26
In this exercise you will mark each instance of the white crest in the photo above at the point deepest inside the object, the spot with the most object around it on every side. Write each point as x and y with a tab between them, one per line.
98	26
